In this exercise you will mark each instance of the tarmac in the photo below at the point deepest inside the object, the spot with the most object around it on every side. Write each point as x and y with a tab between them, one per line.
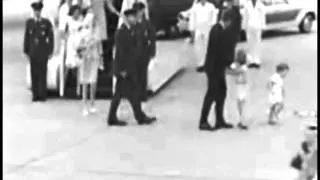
53	140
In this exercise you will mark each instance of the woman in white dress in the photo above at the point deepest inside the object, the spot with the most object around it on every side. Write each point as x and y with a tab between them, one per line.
90	51
73	26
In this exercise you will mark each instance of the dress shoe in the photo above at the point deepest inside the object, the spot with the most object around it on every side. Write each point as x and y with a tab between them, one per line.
147	121
206	127
272	123
242	126
42	99
254	65
117	123
200	69
224	126
144	98
85	112
34	99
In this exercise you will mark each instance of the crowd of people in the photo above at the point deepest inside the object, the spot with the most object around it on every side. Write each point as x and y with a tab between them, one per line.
215	34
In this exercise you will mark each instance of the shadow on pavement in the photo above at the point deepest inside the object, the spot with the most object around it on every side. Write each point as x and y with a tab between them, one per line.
280	33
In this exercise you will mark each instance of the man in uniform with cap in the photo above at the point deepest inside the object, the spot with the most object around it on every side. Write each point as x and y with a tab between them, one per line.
146	41
38	46
125	71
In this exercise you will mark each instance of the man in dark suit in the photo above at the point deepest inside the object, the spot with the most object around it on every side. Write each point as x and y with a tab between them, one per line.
126	70
146	41
235	27
38	46
218	58
233	7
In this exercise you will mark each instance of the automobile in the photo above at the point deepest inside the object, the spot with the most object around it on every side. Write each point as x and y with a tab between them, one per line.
279	14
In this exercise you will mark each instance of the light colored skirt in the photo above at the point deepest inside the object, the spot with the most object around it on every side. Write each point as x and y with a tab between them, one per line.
88	71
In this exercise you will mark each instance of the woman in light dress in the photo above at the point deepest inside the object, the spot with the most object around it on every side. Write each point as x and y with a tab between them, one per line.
73	28
90	52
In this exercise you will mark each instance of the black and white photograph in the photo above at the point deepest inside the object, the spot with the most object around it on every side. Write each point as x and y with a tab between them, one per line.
160	89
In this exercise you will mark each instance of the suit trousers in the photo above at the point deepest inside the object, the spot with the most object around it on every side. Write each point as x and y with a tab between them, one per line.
126	88
216	92
38	67
143	82
254	37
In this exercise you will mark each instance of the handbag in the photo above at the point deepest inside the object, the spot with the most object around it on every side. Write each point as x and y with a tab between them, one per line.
296	162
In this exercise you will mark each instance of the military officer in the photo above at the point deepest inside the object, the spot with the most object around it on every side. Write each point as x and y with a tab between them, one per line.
125	71
38	46
146	41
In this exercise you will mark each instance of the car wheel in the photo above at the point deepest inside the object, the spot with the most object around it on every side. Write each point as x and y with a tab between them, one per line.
306	24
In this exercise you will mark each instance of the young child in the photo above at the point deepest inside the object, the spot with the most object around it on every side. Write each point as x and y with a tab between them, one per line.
307	165
276	92
239	69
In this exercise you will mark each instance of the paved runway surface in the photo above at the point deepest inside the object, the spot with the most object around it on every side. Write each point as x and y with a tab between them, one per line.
53	141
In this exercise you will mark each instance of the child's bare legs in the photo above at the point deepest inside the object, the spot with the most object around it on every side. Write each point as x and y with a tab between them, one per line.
85	99
93	88
241	104
274	113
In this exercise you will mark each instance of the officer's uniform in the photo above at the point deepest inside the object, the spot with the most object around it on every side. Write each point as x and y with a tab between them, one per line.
146	41
38	46
127	85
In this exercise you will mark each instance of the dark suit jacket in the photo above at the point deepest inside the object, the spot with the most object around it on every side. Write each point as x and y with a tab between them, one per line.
38	38
126	51
219	52
146	40
236	20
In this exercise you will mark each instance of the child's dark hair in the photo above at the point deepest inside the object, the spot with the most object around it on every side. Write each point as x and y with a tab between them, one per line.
241	57
282	67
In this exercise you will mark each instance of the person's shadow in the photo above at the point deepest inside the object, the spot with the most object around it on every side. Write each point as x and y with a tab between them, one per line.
270	34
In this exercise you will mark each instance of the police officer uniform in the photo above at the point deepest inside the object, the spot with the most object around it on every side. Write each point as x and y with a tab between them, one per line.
38	46
125	71
146	41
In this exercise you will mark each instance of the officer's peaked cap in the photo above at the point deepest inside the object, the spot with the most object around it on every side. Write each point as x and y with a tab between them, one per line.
37	6
138	6
130	12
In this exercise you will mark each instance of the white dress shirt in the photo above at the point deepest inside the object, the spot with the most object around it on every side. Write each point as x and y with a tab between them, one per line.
203	16
254	16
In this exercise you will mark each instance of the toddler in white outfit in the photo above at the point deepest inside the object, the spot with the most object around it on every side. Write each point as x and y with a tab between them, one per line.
276	92
239	69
